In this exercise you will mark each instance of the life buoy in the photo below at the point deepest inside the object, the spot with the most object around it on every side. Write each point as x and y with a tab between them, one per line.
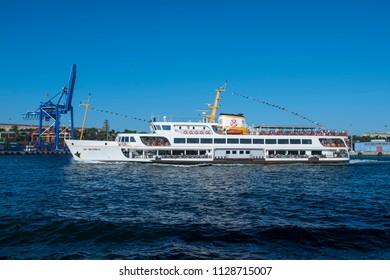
201	132
191	132
207	132
185	132
196	132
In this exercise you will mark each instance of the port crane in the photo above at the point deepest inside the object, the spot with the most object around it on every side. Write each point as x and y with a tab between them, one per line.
52	110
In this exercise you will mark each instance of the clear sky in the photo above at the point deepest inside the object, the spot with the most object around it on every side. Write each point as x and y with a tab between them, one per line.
327	60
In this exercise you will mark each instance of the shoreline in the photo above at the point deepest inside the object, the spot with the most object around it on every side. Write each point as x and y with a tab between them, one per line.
11	153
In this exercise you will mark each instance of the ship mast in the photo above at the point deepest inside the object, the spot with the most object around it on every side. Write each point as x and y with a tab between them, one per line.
85	115
214	108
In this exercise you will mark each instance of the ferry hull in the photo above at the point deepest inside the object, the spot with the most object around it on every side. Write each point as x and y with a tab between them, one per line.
227	141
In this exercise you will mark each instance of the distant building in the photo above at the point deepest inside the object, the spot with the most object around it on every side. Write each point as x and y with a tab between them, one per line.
8	126
6	133
377	135
375	147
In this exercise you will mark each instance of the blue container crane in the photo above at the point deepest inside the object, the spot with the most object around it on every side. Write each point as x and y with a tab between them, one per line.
52	111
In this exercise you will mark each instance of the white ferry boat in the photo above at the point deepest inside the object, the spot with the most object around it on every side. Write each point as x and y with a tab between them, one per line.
229	140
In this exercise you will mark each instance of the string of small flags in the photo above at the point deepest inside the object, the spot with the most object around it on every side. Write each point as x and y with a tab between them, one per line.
280	108
117	114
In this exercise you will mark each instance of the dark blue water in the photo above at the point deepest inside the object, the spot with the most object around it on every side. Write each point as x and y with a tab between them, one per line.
53	208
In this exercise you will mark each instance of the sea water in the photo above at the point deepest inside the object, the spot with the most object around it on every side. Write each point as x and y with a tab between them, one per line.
54	208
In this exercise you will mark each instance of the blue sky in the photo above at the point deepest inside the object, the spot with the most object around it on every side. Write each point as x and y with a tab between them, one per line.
326	60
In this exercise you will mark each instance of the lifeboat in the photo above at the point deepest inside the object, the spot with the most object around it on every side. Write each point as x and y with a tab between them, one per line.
235	131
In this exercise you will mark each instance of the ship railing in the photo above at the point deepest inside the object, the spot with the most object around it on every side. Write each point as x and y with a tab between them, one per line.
298	133
287	156
340	155
182	156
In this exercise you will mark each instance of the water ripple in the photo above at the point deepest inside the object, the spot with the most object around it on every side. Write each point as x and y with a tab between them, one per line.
53	208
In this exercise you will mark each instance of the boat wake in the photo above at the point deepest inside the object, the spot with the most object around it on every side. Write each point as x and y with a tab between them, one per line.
367	161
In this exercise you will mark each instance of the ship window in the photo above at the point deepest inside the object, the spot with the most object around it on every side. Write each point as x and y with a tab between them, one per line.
241	152
306	141
295	141
166	127
206	140
132	139
282	141
178	152
219	141
293	152
228	152
126	139
247	152
280	152
270	141
232	141
234	152
158	127
245	141
318	153
179	140
258	141
193	140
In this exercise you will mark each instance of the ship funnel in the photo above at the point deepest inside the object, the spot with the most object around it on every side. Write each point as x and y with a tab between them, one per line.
233	124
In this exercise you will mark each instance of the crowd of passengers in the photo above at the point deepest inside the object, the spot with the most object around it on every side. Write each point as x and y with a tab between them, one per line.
155	143
286	156
339	155
303	133
332	144
183	156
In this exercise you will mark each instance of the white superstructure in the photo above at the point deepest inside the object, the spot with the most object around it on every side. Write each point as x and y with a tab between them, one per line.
227	141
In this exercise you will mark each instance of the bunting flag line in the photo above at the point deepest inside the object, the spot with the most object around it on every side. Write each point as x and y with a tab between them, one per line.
280	108
117	114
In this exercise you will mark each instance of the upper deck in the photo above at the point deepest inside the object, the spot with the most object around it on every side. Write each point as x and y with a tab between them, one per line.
202	128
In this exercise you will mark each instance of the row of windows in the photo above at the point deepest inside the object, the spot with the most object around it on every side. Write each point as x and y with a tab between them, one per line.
240	141
237	152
